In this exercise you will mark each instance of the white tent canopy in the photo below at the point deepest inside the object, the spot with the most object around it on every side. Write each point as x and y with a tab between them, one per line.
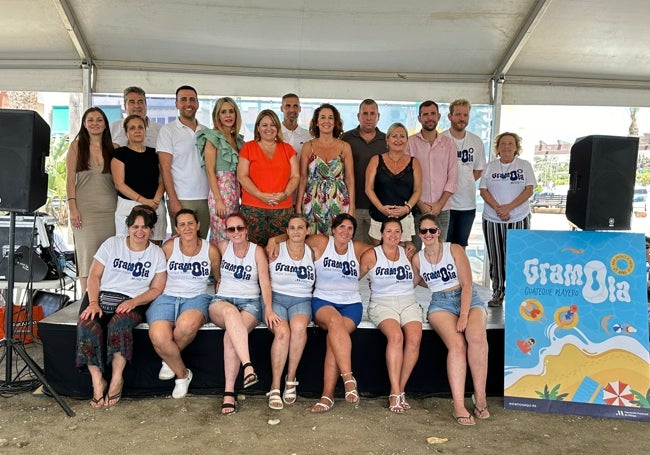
579	52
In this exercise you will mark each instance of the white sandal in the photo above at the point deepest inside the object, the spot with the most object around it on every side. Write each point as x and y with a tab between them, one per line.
397	408
322	407
275	402
354	393
290	393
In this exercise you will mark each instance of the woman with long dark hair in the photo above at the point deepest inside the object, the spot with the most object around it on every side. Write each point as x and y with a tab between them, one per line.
92	198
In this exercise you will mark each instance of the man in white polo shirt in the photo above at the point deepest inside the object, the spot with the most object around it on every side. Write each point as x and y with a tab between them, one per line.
186	183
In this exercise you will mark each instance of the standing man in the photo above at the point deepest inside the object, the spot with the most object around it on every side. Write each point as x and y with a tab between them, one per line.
365	141
437	156
291	131
471	162
135	103
186	183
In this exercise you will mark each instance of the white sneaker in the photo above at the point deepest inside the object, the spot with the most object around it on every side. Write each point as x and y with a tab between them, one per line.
182	385
166	373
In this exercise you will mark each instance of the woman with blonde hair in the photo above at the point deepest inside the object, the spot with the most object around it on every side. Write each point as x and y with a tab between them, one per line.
219	149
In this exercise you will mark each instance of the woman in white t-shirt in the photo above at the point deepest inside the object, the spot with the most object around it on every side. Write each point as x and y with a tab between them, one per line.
506	186
126	274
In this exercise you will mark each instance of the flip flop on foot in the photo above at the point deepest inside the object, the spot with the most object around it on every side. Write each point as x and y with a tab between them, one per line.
251	378
115	398
323	407
480	413
467	420
101	401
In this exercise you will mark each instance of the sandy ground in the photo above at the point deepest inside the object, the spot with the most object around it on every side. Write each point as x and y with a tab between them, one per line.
36	424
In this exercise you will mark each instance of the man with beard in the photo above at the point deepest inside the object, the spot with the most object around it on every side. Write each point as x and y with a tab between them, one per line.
293	133
437	156
471	162
365	141
186	183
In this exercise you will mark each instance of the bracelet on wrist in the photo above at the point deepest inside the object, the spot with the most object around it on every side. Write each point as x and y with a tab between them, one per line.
71	199
406	203
137	199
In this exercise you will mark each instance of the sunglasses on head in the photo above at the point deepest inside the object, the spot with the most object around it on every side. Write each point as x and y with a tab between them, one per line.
233	229
433	230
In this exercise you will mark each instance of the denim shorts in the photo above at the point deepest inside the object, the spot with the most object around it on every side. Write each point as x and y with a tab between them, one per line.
450	302
288	306
252	306
352	311
168	308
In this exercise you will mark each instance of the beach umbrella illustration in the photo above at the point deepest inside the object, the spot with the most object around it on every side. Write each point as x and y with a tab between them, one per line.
617	393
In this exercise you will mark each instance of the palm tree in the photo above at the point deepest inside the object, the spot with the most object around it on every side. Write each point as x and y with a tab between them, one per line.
55	167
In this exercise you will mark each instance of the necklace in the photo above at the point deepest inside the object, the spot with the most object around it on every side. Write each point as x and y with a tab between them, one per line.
196	251
299	256
241	260
395	160
433	258
392	263
128	247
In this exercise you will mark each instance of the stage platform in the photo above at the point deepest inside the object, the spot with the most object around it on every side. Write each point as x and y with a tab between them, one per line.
204	358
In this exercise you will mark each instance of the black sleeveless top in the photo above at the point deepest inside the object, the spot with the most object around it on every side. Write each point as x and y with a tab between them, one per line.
392	189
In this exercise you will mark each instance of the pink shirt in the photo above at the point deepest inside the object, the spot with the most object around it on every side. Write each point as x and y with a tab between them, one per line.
439	166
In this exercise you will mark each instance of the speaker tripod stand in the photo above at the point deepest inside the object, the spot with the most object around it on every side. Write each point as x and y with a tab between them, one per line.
12	345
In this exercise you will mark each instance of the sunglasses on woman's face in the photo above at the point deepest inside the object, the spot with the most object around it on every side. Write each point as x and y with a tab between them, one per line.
433	230
233	229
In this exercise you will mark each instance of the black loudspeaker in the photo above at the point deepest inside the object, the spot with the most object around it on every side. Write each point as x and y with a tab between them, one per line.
602	172
24	144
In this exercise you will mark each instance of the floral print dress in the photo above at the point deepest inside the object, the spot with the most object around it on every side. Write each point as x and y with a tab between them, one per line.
326	194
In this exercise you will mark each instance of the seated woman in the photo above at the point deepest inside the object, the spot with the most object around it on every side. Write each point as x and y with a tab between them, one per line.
176	316
126	274
336	303
236	306
292	282
394	309
457	314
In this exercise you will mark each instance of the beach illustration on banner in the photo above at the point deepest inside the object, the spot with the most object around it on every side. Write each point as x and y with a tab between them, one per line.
576	323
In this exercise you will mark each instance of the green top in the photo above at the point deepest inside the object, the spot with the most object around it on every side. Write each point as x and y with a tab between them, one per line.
227	157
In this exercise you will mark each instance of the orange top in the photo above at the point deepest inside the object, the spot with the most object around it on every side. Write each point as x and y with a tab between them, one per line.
268	175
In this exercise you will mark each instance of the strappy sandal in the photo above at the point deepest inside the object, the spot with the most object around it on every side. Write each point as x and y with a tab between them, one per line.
322	407
225	407
275	402
352	393
480	413
397	408
290	393
251	378
405	404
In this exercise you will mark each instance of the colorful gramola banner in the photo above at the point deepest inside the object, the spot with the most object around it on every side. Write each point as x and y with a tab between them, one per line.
576	324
